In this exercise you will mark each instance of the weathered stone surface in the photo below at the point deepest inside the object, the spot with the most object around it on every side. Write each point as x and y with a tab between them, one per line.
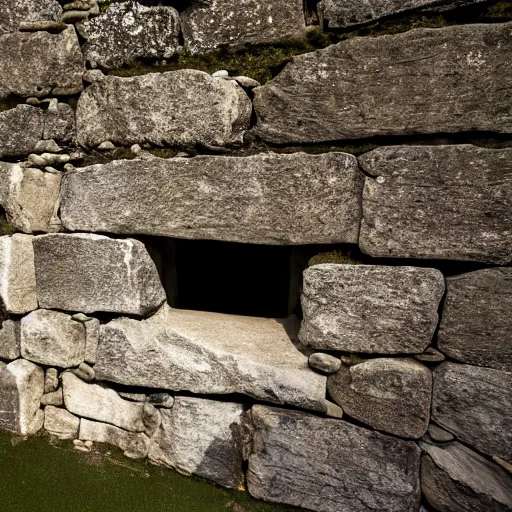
128	31
476	324
456	479
90	273
209	353
84	372
370	308
438	202
21	388
60	423
392	395
59	123
92	337
51	380
53	398
329	465
10	340
14	12
17	274
476	405
201	437
21	129
267	198
439	435
135	445
392	85
39	64
185	107
214	23
52	338
29	197
431	355
324	362
96	402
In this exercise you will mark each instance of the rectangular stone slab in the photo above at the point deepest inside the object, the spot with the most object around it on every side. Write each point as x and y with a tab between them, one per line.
209	353
266	198
420	81
13	12
330	465
438	202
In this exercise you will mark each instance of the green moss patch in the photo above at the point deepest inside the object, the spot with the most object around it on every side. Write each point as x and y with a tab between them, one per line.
347	258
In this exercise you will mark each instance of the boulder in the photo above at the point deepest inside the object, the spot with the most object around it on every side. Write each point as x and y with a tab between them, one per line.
52	338
203	438
329	465
392	395
134	445
476	324
17	274
209	353
40	64
129	31
10	340
266	198
97	402
399	84
29	197
21	389
61	423
14	12
213	24
180	108
82	272
456	479
475	404
370	308
438	202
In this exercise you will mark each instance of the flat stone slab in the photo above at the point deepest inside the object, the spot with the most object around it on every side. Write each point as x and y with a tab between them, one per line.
364	87
14	12
370	308
209	353
129	31
181	108
10	340
330	465
457	479
39	64
392	395
476	323
438	202
87	273
21	128
213	24
475	404
201	437
266	198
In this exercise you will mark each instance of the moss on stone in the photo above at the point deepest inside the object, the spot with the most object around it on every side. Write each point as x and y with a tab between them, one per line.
346	258
499	11
5	227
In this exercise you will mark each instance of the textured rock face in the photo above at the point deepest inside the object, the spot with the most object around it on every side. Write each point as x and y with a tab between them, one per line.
10	340
370	308
52	338
20	130
29	197
128	31
380	85
185	107
438	202
52	64
392	395
340	467
209	353
61	423
201	437
476	405
17	274
135	445
266	198
476	325
214	23
94	273
13	12
456	479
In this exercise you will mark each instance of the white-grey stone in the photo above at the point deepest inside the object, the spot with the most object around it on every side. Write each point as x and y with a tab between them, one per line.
60	423
88	273
84	372
106	146
10	340
209	353
370	308
201	437
21	129
53	398
267	198
439	435
92	336
15	12
51	380
324	363
52	338
185	107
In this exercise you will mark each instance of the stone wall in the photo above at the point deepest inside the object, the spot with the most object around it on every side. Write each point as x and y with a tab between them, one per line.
389	386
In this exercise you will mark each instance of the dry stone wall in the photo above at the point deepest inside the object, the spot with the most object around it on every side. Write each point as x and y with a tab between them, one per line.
389	387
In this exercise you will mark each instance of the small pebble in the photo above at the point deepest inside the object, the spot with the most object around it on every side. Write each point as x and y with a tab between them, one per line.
88	444
84	372
333	410
70	17
36	160
247	82
106	145
69	167
220	73
49	146
439	435
135	149
82	448
32	101
431	355
182	154
324	363
52	170
78	442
